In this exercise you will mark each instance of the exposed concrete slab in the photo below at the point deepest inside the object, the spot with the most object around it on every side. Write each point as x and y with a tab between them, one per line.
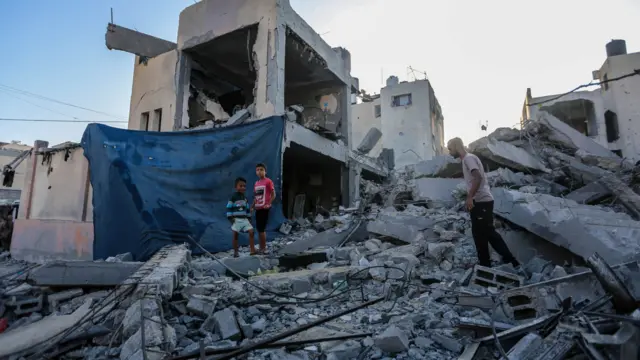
49	328
589	193
441	166
508	155
83	273
396	230
436	189
582	229
563	134
327	238
131	41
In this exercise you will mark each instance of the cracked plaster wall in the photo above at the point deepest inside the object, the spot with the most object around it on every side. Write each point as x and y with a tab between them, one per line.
154	87
622	97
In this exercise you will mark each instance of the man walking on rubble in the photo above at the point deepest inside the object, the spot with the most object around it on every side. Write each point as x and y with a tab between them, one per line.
479	203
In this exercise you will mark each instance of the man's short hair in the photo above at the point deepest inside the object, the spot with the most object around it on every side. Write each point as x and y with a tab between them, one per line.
239	180
261	165
456	142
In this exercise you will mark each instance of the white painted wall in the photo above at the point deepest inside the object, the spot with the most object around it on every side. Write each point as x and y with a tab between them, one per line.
60	188
154	87
362	119
407	129
623	98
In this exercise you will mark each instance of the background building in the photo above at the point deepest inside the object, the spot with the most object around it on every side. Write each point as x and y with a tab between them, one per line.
410	118
611	114
8	153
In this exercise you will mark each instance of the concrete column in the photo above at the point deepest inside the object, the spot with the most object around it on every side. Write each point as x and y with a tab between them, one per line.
26	195
350	183
183	80
269	58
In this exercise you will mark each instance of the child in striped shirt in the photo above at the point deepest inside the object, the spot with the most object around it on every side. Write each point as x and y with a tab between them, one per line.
239	213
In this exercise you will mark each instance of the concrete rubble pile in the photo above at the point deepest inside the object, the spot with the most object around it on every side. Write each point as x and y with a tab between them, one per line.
393	278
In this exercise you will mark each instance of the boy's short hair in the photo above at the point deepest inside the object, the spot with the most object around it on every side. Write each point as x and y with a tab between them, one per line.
239	180
261	165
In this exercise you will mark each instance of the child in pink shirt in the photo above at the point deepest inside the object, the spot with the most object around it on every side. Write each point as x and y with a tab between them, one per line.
263	195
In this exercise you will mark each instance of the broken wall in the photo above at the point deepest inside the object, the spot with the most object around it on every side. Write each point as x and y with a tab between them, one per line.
56	213
153	94
363	118
569	103
209	19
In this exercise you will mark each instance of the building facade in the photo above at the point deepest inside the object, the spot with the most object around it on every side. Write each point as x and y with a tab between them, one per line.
609	115
241	60
410	118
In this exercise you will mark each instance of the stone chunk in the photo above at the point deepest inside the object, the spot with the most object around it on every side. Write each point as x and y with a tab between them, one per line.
395	230
441	166
243	265
227	325
507	155
155	335
132	317
439	250
589	193
392	340
446	342
201	305
437	190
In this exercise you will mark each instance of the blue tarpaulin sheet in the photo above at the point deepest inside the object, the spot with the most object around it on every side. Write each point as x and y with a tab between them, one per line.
152	189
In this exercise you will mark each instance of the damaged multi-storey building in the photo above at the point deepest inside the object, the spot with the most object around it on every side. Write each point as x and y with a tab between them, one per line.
240	61
609	114
406	117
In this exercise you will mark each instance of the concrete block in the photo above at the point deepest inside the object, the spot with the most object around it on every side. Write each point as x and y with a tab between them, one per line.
133	316
581	229
589	193
156	334
202	305
524	347
523	305
370	140
243	265
488	277
441	166
507	155
28	305
247	329
55	299
436	190
447	342
392	340
227	325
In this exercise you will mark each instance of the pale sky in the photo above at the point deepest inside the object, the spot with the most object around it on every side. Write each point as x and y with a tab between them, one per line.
479	55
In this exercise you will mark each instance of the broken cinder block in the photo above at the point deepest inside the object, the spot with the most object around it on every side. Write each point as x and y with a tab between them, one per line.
488	277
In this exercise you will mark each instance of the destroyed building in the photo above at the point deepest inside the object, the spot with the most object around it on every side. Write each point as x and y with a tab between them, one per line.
394	278
239	61
607	115
408	118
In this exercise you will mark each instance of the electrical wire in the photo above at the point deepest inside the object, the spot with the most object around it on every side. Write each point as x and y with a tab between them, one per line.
34	104
634	73
24	92
62	121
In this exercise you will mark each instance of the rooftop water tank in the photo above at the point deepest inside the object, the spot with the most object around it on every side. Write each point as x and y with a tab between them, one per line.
392	80
616	47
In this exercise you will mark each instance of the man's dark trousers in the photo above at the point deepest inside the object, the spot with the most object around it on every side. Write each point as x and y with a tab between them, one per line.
484	233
